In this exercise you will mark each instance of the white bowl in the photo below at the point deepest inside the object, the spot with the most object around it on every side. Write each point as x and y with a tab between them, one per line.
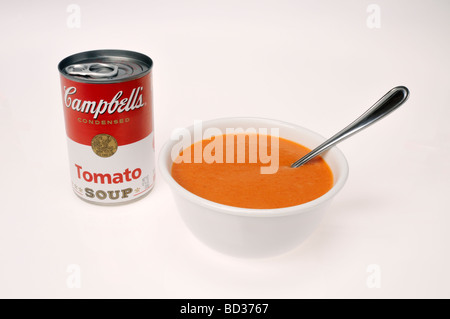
245	232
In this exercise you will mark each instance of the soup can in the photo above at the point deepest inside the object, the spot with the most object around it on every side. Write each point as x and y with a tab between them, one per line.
108	111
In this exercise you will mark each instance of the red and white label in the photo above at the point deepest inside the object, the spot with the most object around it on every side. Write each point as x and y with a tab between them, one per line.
123	111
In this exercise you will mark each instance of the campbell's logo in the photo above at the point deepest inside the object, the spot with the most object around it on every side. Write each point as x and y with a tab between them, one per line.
117	103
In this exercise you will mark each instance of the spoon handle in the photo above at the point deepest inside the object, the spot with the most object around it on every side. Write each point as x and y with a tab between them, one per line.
388	103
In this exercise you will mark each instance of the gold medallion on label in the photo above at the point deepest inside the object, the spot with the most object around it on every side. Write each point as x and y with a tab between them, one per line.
104	145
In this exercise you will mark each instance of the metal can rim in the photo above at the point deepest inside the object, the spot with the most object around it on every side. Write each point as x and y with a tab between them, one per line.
77	57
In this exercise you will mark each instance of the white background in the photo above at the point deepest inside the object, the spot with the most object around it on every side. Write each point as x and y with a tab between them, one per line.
317	64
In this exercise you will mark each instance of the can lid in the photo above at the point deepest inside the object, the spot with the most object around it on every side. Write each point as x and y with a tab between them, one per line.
105	66
93	70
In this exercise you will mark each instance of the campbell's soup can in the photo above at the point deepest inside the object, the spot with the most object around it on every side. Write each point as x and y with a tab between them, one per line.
108	111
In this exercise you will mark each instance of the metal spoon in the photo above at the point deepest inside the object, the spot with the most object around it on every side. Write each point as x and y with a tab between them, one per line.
388	103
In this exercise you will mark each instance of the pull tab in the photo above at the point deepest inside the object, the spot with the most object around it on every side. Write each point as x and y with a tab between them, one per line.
93	70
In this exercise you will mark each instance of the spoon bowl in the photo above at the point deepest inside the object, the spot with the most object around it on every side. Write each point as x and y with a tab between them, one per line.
246	232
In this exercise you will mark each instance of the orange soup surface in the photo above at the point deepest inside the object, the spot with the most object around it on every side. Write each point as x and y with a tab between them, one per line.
241	184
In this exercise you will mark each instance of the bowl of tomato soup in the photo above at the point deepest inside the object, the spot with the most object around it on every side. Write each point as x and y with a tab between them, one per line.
235	190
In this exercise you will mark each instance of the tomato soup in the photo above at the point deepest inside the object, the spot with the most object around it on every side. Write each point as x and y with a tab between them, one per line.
239	183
